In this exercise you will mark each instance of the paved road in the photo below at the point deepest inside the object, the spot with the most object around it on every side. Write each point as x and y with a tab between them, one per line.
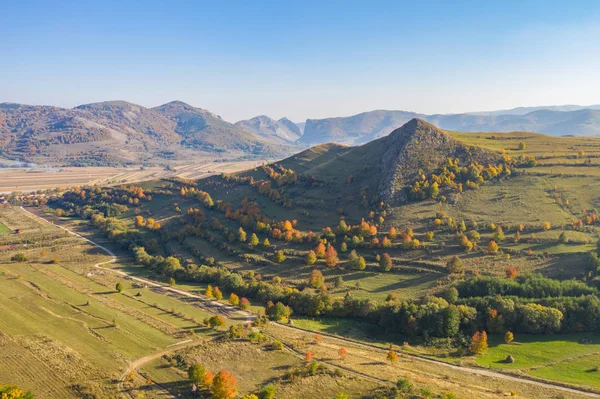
222	308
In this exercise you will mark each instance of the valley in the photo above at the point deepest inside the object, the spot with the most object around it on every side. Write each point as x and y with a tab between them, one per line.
418	242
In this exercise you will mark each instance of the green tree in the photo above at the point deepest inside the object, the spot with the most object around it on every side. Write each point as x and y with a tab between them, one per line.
509	337
311	257
279	256
196	373
455	265
119	287
316	279
268	392
277	311
386	262
253	240
216	321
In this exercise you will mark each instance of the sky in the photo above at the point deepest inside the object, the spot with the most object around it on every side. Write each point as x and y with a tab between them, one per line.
302	59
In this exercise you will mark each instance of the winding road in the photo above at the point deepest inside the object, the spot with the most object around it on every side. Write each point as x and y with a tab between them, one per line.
228	310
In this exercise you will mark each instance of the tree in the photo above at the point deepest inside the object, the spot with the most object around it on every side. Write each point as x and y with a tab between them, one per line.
331	257
171	281
224	385
392	356
386	262
546	226
196	373
316	279
342	227
277	311
279	256
341	395
492	247
512	273
217	293
434	190
455	265
451	295
209	291
208	379
342	352
253	240
499	234
119	287
563	238
216	321
320	251
318	338
266	243
343	247
522	145
308	356
479	343
241	235
139	221
234	300
244	304
509	337
268	392
311	257
360	263
393	233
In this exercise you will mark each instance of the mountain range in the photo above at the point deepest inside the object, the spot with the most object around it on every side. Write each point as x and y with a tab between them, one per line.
119	132
367	126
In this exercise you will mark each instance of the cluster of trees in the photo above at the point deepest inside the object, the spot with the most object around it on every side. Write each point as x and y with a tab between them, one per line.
200	195
455	177
223	385
149	223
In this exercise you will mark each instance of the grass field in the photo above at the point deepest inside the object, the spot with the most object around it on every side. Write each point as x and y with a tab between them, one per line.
4	229
561	358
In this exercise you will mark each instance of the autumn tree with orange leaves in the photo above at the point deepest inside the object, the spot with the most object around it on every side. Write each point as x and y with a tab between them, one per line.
224	385
479	344
331	256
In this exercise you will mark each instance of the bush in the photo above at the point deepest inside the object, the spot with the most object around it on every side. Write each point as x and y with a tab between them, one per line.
19	258
404	384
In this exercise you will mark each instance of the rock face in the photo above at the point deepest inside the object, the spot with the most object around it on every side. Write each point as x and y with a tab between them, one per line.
419	146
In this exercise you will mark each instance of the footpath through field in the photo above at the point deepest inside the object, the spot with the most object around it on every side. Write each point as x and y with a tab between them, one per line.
227	310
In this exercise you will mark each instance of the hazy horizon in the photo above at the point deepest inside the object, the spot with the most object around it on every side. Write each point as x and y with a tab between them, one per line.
302	60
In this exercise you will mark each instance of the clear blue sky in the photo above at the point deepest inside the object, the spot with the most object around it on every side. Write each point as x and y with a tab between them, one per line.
302	58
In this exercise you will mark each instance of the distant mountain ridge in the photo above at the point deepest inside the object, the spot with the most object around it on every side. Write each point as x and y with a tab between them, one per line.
367	126
283	130
119	132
